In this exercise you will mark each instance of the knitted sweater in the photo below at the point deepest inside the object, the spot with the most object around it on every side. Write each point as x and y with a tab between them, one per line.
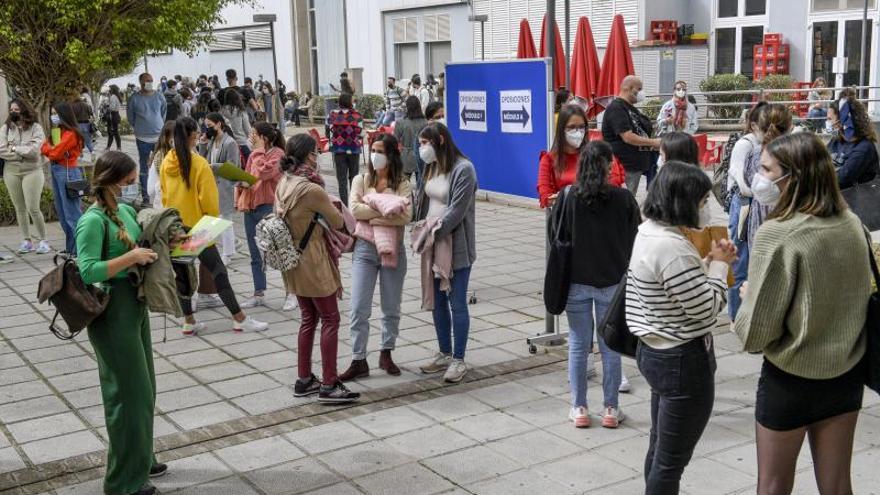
807	299
345	131
671	296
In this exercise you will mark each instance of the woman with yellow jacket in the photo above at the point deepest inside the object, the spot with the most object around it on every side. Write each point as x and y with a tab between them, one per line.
187	184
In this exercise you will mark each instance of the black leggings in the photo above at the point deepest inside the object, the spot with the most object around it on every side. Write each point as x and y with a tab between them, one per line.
210	257
347	168
113	130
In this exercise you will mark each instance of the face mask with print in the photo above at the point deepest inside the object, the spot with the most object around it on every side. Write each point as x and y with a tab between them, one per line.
379	160
640	96
56	120
705	216
427	153
680	93
575	137
766	191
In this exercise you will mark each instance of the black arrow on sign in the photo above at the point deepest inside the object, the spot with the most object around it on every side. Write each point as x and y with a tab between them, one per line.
472	115
517	116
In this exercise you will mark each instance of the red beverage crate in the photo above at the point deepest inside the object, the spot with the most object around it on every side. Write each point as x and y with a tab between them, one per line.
772	38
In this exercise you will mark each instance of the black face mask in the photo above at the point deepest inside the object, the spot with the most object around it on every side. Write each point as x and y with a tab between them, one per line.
211	133
14	116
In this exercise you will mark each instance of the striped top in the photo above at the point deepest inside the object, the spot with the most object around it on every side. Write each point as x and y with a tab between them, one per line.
671	296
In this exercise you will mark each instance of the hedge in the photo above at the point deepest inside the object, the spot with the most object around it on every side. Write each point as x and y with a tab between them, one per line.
7	211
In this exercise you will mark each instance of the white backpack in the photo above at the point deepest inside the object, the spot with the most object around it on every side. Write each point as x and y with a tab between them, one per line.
277	245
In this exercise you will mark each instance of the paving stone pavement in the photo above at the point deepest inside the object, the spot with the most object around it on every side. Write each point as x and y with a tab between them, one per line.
227	422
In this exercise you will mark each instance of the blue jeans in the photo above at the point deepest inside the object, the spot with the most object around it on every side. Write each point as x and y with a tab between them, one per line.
68	210
85	129
251	219
144	149
741	265
365	268
579	311
459	322
387	118
682	381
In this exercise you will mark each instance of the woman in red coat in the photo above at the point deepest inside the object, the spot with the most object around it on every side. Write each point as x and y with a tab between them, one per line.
64	155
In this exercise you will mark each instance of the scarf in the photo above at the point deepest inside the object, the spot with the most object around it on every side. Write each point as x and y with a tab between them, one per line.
305	170
847	125
681	105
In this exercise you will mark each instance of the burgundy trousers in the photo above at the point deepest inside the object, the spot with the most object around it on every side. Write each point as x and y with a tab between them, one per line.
311	309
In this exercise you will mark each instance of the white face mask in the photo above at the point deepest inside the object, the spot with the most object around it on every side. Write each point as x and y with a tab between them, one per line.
427	153
705	216
379	160
765	190
660	161
640	96
148	86
575	137
680	93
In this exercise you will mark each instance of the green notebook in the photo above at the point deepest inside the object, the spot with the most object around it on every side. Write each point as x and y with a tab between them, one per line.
56	135
230	171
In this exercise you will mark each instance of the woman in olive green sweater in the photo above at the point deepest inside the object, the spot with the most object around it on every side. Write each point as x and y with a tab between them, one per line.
106	237
805	307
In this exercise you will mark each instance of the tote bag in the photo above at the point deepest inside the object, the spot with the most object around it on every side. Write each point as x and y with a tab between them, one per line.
557	279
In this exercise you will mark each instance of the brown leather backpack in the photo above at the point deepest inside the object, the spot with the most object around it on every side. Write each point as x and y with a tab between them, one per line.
78	303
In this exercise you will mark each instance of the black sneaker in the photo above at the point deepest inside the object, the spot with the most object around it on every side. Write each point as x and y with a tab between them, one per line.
158	470
305	388
147	489
337	394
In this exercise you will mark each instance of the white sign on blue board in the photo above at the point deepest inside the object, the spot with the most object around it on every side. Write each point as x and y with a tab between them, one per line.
472	114
516	111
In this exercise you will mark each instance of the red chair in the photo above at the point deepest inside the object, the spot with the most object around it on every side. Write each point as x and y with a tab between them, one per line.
702	144
323	143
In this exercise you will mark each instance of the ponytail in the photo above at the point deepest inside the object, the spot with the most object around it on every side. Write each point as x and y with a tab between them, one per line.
274	136
183	129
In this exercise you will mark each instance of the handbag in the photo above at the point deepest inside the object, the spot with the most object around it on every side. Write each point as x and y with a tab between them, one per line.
557	279
613	328
78	303
863	200
871	360
76	189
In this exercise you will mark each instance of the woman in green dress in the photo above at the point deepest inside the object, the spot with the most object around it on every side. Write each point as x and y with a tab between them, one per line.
106	240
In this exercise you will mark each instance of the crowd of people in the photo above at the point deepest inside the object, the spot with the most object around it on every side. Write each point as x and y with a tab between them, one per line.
791	267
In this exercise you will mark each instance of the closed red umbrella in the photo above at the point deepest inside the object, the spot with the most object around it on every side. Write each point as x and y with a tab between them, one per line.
559	67
526	46
616	65
584	63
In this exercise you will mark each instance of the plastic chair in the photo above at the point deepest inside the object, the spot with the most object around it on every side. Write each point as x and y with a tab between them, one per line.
323	143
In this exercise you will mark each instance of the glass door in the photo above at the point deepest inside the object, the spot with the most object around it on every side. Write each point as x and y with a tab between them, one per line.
833	40
824	51
852	50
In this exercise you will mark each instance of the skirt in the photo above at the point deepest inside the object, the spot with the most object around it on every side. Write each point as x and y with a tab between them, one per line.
787	402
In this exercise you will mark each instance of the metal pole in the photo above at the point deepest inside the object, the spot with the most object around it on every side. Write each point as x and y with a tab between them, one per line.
274	62
345	30
243	48
864	48
567	43
483	40
146	64
550	41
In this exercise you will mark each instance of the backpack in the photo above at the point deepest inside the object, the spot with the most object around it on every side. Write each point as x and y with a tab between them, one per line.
78	304
172	110
277	245
720	176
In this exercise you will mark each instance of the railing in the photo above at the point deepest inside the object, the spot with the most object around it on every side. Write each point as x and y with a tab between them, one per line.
749	97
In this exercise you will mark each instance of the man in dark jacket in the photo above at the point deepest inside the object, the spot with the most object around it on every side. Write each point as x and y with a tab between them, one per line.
628	131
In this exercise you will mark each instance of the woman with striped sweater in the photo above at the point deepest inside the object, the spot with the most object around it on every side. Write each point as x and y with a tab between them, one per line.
672	301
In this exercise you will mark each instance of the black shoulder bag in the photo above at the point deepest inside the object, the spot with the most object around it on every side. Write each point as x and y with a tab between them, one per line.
872	328
613	328
557	279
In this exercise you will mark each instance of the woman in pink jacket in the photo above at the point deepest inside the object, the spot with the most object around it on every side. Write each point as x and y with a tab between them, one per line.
256	201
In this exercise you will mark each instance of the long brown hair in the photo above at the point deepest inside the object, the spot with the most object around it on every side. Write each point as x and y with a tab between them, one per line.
111	168
184	128
165	142
447	152
812	183
268	132
566	112
395	163
774	120
26	113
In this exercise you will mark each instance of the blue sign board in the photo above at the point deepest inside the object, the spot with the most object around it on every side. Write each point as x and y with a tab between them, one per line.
499	116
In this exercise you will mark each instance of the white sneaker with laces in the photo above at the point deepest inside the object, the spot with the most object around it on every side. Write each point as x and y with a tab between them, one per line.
456	371
440	362
625	387
193	328
612	418
6	258
249	325
44	247
579	416
26	247
290	303
253	302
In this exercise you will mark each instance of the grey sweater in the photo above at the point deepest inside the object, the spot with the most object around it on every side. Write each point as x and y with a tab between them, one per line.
459	219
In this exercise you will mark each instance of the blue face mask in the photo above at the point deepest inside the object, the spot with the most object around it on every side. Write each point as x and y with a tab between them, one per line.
129	194
56	120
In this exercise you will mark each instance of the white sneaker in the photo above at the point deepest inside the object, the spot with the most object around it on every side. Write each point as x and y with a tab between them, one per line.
206	301
579	416
193	328
249	325
456	371
26	247
440	362
625	387
290	303
253	302
613	417
44	247
6	258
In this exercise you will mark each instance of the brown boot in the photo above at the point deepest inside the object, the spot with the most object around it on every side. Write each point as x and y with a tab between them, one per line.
387	364
358	369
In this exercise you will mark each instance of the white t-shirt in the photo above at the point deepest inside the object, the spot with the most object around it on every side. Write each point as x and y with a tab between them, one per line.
437	190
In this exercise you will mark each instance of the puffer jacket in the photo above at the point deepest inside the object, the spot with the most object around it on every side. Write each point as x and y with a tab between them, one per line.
160	283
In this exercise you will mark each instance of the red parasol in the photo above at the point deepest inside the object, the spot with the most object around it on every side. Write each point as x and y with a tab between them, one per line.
584	63
526	47
559	67
616	65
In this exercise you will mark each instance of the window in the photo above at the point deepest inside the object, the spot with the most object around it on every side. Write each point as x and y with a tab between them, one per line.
407	57
826	5
728	8
852	44
756	7
438	54
725	51
751	36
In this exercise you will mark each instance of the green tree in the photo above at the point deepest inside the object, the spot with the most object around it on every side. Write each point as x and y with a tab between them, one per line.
49	48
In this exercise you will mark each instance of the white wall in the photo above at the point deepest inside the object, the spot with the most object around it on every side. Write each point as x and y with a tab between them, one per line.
792	23
209	63
331	42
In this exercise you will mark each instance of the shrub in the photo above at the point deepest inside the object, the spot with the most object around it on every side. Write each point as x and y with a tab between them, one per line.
651	108
317	107
776	81
7	211
726	82
369	105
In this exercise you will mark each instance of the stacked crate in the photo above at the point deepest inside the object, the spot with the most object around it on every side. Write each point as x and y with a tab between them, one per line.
665	31
770	57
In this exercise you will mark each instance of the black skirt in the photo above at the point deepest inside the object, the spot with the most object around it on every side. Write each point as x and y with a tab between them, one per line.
787	402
